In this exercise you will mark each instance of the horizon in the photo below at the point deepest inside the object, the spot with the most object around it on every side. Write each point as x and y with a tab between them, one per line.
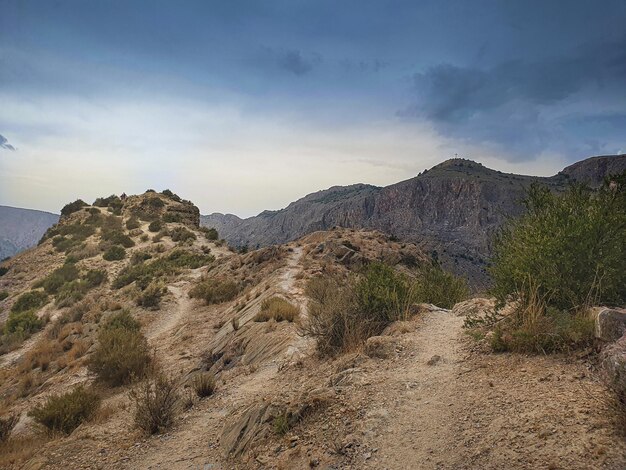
246	106
202	212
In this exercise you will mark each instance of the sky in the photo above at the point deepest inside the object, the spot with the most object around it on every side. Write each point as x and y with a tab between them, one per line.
242	106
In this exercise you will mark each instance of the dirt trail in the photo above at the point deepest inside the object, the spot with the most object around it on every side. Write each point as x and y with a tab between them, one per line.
417	423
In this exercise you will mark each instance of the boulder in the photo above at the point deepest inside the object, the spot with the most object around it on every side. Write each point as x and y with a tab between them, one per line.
610	323
381	347
613	366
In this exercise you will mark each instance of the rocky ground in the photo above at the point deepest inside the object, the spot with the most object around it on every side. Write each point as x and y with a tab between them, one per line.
422	395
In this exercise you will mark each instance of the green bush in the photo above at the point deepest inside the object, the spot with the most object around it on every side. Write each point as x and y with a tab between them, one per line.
155	202
114	253
181	234
277	308
441	288
383	295
171	195
170	217
155	226
215	291
3	270
133	223
151	296
71	293
211	234
115	237
54	281
73	207
122	353
65	412
23	323
112	201
571	246
95	277
31	300
3	295
144	273
122	320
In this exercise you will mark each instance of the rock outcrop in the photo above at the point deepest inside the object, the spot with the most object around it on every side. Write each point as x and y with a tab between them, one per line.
451	210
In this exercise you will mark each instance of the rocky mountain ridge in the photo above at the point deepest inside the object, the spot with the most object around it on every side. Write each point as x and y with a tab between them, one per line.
451	210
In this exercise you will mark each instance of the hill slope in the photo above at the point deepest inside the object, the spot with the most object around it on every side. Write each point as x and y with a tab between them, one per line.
21	229
451	210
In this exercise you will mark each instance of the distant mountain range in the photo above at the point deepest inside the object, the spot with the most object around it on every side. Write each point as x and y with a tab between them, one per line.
21	229
451	210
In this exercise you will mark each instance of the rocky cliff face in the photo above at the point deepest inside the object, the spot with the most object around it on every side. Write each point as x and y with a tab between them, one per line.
21	229
451	210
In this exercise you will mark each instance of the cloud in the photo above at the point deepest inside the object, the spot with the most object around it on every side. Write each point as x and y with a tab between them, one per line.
519	104
4	144
292	61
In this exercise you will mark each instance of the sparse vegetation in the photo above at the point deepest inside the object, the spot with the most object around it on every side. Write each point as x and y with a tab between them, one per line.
122	354
181	234
155	226
157	402
215	290
32	300
278	309
439	287
54	281
73	207
203	384
151	296
65	412
114	253
132	223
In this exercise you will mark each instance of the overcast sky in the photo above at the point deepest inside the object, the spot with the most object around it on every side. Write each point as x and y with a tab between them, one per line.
242	106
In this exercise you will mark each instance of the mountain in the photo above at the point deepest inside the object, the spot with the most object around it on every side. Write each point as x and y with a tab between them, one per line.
451	210
21	229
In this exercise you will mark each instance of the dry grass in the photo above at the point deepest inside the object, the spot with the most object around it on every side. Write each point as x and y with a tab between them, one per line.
157	402
17	451
278	309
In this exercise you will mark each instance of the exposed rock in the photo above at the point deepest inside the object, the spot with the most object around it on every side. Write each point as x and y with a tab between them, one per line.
421	309
610	323
452	210
473	307
381	347
613	366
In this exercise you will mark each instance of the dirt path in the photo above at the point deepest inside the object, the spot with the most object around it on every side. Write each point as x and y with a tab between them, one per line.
418	416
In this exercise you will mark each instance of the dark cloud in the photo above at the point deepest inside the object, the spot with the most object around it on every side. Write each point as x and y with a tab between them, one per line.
4	144
514	103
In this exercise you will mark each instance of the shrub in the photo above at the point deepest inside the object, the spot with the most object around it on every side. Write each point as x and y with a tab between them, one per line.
73	207
3	295
122	353
439	287
383	295
65	412
95	277
151	296
157	401
31	300
114	253
139	257
154	202
71	293
210	233
535	327
181	234
54	281
112	201
3	270
132	223
333	317
115	237
6	426
22	323
144	273
155	226
277	308
170	217
203	384
214	290
171	195
569	245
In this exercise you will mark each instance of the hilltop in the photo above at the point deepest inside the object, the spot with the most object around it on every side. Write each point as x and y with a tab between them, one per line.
452	210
